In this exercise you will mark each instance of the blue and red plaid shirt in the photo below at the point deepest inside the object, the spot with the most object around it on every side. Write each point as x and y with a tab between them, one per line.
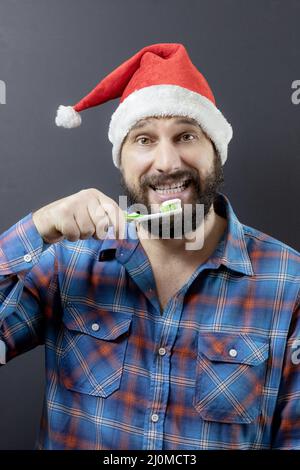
218	369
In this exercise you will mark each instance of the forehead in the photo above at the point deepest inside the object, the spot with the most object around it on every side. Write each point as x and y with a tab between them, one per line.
177	120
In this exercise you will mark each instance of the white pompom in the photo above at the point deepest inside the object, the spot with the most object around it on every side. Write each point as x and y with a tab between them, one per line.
67	117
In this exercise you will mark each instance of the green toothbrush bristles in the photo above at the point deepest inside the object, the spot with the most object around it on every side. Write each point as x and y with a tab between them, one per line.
171	205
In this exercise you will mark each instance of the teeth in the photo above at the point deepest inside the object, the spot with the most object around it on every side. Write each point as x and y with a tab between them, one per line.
175	190
171	189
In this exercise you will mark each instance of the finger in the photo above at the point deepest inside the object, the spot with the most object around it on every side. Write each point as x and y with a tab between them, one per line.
116	218
102	227
70	229
115	214
99	218
95	210
84	222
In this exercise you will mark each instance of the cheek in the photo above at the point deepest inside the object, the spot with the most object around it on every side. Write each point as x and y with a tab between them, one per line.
134	165
200	157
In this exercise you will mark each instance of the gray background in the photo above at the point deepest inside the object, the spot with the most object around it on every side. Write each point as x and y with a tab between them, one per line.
54	51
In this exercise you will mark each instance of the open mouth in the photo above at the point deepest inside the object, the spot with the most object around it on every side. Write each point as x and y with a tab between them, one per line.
172	188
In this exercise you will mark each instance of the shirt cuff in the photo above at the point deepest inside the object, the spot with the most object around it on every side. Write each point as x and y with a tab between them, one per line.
21	247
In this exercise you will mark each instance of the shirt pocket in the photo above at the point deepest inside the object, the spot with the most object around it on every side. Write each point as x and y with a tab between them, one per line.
230	374
93	347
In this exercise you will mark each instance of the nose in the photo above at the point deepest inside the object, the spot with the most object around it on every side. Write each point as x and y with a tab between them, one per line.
167	158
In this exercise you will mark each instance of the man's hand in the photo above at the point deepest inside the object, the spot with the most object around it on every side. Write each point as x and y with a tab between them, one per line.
85	214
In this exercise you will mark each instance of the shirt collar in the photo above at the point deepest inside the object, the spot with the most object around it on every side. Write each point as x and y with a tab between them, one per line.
231	250
232	246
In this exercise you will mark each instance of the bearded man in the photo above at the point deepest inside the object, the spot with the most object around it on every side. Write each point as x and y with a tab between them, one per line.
149	344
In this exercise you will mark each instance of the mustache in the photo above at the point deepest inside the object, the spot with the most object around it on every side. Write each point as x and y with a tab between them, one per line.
170	178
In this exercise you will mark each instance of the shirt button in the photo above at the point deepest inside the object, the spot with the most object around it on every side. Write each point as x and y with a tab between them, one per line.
27	258
162	351
233	352
95	327
154	418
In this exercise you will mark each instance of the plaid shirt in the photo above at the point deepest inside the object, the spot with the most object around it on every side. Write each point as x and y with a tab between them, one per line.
219	369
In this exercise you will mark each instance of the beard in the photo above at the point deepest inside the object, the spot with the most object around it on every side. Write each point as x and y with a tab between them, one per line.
203	193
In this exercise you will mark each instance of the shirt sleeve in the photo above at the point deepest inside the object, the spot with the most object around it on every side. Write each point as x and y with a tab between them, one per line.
286	423
26	273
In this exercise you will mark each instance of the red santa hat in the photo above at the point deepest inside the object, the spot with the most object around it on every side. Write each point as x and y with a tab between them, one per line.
159	80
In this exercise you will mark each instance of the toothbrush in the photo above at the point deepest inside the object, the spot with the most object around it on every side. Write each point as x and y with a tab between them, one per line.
170	207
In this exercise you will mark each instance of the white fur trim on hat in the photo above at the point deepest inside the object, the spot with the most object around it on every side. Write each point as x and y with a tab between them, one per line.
165	100
67	117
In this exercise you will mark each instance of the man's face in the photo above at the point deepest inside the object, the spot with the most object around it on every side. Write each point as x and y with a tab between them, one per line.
168	158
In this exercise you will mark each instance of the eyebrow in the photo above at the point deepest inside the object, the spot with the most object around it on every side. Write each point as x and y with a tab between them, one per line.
143	123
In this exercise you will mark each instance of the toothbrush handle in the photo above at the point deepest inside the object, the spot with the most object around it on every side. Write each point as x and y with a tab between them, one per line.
157	215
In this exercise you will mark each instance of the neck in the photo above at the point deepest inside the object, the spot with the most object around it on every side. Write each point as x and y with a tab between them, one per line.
188	247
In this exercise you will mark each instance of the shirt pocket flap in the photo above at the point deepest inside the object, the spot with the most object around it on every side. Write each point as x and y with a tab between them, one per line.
237	349
95	321
230	376
93	347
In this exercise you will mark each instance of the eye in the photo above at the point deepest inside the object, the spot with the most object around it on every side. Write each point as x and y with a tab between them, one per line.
187	137
143	140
